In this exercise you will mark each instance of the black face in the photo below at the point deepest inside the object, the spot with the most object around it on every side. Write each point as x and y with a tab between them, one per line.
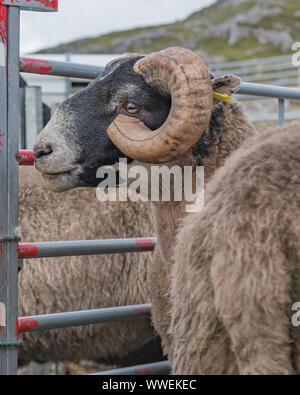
75	143
87	115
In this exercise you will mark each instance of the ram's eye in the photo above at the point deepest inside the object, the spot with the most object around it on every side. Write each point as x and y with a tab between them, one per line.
132	108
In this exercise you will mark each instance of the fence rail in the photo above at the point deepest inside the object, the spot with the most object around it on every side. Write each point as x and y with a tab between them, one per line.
271	69
61	69
85	247
36	323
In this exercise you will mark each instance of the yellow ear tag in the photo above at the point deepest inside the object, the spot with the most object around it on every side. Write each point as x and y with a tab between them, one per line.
222	96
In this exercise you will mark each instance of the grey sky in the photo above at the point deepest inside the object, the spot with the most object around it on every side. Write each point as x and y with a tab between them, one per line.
82	18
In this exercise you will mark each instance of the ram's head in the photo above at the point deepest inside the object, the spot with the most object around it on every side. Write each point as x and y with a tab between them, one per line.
151	108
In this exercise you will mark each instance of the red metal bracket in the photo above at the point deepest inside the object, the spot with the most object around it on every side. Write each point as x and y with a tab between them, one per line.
26	324
145	243
25	157
26	250
33	5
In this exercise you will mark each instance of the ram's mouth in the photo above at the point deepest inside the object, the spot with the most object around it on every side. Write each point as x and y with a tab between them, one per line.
61	173
62	181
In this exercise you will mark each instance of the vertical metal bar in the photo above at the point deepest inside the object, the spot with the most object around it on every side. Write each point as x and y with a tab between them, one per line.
68	81
280	112
9	125
33	114
22	138
3	181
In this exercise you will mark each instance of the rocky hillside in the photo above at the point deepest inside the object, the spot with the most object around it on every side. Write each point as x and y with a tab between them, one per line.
229	29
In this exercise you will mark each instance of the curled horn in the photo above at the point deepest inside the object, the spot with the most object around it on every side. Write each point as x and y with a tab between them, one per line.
181	74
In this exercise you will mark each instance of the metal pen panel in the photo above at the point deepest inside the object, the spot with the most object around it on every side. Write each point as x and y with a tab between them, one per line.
9	147
9	126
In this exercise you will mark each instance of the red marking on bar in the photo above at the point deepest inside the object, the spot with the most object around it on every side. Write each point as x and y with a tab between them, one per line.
142	241
26	324
36	66
142	371
49	4
25	158
26	250
142	310
263	86
1	135
3	35
1	249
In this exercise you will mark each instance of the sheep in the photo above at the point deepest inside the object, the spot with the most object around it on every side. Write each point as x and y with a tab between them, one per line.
236	266
153	109
51	285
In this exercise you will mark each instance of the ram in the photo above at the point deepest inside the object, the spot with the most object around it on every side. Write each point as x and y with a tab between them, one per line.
162	108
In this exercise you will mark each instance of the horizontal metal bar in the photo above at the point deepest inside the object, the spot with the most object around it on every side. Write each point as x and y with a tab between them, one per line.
255	69
286	81
85	247
163	368
272	76
282	92
273	116
252	61
62	69
36	323
25	157
33	5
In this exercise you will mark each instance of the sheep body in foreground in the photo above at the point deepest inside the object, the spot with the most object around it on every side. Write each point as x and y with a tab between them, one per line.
227	131
50	285
236	265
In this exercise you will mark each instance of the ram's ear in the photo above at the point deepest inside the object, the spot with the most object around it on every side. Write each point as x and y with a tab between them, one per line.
228	84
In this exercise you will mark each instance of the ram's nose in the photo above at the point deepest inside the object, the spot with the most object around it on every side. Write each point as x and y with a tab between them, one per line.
41	150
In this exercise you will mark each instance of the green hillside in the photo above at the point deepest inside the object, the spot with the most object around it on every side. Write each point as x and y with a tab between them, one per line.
229	29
